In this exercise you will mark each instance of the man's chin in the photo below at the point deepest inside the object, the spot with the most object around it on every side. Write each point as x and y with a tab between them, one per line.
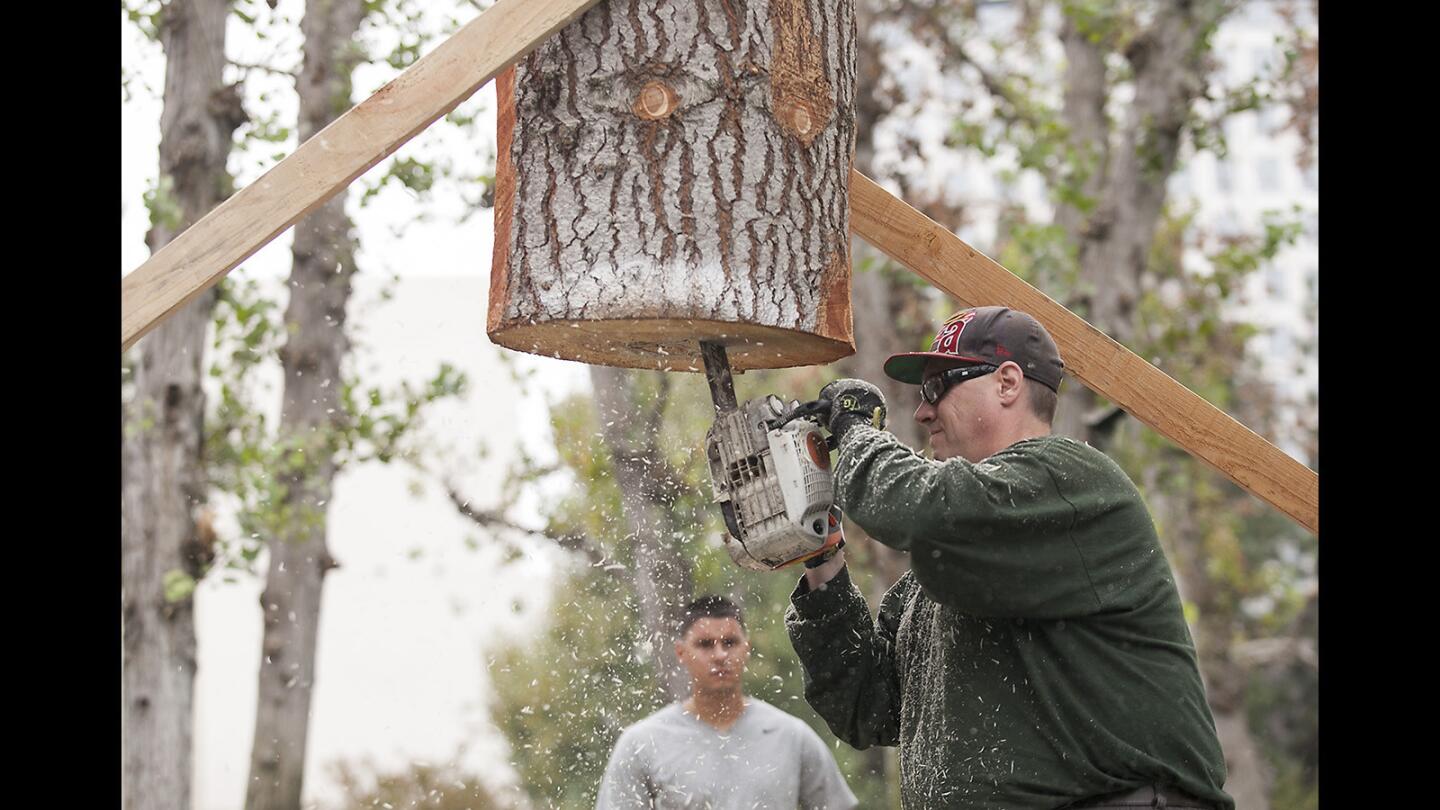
720	685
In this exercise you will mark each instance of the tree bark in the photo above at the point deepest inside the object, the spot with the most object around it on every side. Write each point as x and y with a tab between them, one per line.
1113	241
1083	109
163	477
322	266
677	172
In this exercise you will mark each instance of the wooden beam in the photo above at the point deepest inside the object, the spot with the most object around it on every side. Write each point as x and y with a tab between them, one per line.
331	159
1106	367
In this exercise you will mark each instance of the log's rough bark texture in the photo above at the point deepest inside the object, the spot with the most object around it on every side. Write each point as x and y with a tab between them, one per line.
163	477
677	172
320	283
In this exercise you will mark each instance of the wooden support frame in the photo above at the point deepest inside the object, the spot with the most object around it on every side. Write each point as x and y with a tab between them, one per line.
328	162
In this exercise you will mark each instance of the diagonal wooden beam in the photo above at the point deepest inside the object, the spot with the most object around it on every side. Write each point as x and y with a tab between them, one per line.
331	159
1091	356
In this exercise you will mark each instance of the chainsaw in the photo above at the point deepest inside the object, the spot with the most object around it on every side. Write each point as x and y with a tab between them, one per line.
770	470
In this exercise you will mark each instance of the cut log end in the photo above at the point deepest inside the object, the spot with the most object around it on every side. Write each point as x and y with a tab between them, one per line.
670	345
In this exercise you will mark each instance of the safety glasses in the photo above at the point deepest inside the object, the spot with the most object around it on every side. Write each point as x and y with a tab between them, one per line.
934	387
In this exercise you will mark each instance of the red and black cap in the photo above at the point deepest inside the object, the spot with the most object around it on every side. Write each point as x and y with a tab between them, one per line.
990	335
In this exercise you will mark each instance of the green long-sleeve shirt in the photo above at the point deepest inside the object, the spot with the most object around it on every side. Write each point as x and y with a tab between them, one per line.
1036	652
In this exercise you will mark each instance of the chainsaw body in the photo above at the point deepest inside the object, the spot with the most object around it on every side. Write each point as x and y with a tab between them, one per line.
773	484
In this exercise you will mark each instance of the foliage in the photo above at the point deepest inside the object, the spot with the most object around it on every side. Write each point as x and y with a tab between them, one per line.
562	700
420	787
145	15
160	202
247	460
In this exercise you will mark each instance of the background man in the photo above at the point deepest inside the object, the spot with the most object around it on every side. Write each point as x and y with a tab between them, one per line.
1036	654
720	749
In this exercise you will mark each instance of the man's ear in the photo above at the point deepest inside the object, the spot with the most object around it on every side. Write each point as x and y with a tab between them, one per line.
1012	380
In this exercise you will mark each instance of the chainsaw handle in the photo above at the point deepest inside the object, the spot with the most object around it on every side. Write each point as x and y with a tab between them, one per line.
817	407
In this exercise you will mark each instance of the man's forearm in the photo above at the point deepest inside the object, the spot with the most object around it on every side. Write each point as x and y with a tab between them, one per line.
846	659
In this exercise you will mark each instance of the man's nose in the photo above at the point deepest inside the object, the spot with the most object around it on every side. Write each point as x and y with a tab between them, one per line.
924	412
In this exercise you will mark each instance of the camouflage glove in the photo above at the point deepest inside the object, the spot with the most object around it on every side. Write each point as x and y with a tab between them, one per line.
853	402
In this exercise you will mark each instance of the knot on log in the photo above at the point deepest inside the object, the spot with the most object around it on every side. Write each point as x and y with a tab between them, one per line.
655	100
803	98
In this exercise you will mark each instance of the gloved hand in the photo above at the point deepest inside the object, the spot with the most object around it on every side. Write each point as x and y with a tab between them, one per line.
853	402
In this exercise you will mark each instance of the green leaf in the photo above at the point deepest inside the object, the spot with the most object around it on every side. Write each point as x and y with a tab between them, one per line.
178	585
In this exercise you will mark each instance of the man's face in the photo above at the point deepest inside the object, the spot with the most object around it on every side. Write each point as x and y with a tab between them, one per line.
714	651
961	423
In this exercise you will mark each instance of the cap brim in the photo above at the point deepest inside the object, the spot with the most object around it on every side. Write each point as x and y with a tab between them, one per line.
910	367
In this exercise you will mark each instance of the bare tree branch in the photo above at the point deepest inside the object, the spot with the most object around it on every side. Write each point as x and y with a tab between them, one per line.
273	71
575	542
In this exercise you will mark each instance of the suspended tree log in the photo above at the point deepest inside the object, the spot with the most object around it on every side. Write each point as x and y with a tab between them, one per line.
677	172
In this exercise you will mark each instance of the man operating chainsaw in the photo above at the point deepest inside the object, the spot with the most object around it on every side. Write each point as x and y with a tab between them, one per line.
720	749
1036	654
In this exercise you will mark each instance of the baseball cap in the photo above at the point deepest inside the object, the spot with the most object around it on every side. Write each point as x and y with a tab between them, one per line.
992	335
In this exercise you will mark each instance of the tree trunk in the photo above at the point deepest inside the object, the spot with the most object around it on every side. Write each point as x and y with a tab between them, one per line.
676	172
662	577
322	266
671	173
1127	185
163	477
1113	241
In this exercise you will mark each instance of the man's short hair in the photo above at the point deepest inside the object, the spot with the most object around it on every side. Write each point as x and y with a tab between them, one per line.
712	606
1043	401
